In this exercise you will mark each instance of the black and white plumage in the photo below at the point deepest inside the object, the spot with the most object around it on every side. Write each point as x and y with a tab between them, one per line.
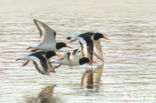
90	44
48	38
41	61
73	58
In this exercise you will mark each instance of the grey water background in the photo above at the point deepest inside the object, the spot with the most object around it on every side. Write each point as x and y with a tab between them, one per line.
128	74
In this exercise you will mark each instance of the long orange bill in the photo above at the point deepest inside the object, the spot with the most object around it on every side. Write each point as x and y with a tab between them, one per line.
59	56
25	63
106	38
69	47
57	66
93	61
72	40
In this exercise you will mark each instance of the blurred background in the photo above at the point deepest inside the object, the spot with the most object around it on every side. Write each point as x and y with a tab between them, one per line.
101	7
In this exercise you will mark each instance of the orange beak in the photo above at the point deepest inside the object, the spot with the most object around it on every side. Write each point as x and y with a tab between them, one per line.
59	56
106	38
25	63
93	61
69	47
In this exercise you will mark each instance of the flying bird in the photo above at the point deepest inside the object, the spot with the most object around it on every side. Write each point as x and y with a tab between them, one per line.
41	61
48	39
90	44
73	58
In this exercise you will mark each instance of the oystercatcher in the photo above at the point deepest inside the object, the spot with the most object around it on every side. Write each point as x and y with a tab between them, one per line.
73	58
48	39
90	44
41	61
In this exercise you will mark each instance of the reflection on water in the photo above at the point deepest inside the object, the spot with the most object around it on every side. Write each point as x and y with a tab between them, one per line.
45	96
129	74
91	77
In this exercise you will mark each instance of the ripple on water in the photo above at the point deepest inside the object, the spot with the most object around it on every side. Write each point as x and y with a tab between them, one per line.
128	72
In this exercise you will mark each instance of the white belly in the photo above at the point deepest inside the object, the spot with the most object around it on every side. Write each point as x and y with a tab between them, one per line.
48	47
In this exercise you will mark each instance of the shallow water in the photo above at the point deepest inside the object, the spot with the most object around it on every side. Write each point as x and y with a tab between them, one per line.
128	74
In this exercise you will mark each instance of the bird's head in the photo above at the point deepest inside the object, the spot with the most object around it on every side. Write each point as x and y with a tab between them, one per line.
60	45
50	54
97	36
85	60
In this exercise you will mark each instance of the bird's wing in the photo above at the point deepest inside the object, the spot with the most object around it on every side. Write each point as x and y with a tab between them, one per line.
44	64
40	63
47	34
38	68
98	73
66	55
97	50
90	47
86	47
64	59
79	53
50	66
38	53
74	54
82	49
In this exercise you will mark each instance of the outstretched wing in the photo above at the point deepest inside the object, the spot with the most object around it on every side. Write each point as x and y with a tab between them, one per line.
40	63
86	46
82	49
38	68
47	34
97	50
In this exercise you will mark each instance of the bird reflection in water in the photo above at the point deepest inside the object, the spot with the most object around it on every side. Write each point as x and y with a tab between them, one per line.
91	77
45	96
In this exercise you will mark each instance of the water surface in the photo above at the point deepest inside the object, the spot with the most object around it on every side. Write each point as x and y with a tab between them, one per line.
128	74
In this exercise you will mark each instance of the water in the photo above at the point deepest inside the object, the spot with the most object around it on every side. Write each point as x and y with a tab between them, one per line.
128	74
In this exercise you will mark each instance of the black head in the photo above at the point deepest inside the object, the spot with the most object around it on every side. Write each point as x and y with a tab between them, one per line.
50	54
97	36
60	45
83	61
